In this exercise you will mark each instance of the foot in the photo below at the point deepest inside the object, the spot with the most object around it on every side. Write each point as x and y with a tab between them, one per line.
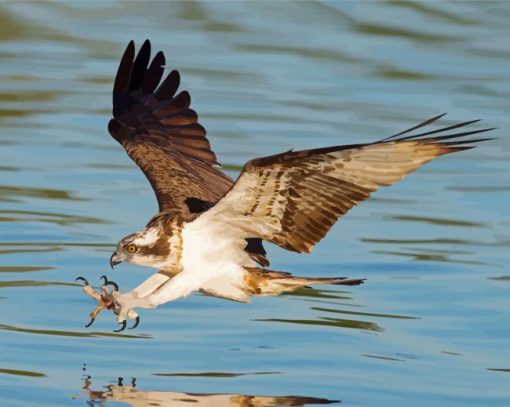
126	304
107	299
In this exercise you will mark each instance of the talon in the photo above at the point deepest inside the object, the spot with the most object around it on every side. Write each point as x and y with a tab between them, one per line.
124	323
114	285
109	282
82	279
90	323
137	321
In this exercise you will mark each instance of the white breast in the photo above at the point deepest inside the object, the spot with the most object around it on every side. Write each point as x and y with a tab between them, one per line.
211	256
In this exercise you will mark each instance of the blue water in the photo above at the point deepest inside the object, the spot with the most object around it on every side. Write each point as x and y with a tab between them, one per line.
431	325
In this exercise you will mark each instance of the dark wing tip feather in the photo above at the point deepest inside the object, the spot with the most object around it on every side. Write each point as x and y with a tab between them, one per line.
441	130
122	79
169	86
441	138
183	99
471	141
153	74
115	128
422	124
140	65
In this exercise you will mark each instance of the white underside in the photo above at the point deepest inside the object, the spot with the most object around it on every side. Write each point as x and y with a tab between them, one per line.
211	262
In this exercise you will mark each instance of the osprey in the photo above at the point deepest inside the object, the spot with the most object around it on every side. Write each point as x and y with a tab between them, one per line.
208	233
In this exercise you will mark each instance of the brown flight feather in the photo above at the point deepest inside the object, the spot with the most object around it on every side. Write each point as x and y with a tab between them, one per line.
162	134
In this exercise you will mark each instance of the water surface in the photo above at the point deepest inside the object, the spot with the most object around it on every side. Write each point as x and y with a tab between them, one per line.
431	325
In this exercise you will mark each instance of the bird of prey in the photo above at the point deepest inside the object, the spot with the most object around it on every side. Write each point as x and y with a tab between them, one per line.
208	233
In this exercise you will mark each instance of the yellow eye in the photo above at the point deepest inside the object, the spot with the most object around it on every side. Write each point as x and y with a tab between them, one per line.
131	248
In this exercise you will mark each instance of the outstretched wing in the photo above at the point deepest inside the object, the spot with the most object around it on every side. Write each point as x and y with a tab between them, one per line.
293	199
162	134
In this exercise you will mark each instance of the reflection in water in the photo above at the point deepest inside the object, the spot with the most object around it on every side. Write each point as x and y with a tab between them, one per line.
331	297
333	322
212	374
435	221
132	396
37	216
383	358
16	372
369	314
23	269
431	255
16	193
76	334
35	283
317	294
500	278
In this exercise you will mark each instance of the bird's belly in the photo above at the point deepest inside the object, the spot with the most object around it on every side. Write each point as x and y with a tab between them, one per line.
215	262
217	278
206	268
207	248
212	258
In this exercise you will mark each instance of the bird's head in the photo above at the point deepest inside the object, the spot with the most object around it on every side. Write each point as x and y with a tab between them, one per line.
149	247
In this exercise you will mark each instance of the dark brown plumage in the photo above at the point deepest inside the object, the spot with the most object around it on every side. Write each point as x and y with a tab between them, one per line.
162	135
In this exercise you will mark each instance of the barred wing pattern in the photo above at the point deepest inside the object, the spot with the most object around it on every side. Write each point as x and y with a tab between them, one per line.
293	199
161	133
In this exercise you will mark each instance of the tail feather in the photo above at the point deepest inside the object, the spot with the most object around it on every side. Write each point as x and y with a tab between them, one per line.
268	282
331	280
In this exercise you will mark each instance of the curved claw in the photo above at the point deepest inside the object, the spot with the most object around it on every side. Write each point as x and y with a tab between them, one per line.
114	285
137	321
90	323
109	282
124	323
82	279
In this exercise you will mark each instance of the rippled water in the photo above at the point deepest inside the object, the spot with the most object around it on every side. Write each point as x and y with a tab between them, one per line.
431	325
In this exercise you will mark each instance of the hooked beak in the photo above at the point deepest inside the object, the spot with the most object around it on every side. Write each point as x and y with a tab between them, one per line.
114	260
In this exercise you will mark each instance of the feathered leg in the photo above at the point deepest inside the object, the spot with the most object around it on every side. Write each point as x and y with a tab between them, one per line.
179	286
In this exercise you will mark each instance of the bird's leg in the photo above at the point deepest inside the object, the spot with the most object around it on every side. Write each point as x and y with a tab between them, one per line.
144	289
177	287
127	301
